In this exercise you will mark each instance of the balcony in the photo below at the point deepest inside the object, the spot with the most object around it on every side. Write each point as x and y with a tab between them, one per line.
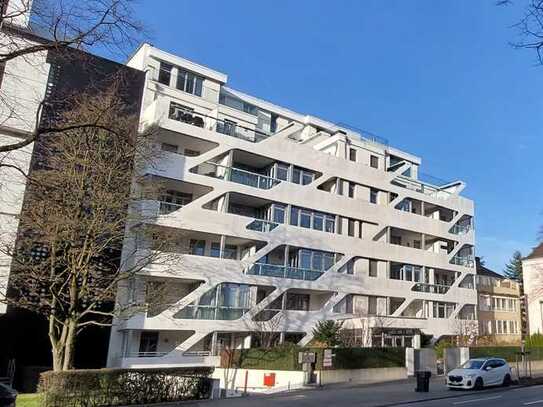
261	225
466	261
165	208
460	229
208	312
430	288
182	114
237	175
272	270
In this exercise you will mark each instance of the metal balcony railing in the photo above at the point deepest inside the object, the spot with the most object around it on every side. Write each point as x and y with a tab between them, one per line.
431	288
228	128
243	177
295	273
261	225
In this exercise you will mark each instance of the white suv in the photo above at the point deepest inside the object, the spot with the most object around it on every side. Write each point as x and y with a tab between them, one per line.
480	372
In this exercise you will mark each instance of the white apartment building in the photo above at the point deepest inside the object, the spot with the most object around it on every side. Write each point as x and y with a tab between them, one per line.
283	220
532	275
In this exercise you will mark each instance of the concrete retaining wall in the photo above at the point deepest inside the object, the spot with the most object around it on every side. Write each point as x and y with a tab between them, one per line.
234	379
363	375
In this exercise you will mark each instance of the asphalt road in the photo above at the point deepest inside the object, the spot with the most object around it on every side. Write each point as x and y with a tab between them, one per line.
381	395
523	396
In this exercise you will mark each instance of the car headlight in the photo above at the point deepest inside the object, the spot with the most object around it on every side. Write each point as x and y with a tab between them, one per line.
471	376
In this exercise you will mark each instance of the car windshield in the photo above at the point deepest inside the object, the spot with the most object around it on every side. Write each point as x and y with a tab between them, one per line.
473	364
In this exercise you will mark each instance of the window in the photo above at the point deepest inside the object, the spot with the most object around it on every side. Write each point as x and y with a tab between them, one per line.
148	342
374	161
305	218
189	82
351	189
416	244
297	302
197	247
281	171
350	228
273	123
226	127
396	240
352	154
230	252
294	214
165	73
301	176
373	195
372	305
279	213
215	249
373	268
318	221
330	224
172	148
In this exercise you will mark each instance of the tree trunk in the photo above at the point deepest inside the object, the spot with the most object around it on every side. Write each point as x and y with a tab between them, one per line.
69	346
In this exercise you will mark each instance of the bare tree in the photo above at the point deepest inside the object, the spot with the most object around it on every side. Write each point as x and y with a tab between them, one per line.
30	29
80	215
530	26
267	332
466	331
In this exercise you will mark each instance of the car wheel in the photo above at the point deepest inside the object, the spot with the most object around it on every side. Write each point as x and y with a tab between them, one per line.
478	384
506	381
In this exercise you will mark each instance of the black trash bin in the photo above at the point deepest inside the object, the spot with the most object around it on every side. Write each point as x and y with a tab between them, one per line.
423	381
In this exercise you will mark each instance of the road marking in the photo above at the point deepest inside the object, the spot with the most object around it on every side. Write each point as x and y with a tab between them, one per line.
533	402
475	400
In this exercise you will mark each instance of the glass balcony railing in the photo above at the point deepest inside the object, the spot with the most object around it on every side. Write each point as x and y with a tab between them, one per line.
431	288
261	225
240	176
460	229
295	273
210	312
165	208
228	128
466	261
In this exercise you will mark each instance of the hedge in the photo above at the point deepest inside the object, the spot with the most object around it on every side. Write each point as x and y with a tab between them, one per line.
114	387
286	358
508	353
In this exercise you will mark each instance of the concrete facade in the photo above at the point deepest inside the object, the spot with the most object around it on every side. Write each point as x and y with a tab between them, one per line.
284	220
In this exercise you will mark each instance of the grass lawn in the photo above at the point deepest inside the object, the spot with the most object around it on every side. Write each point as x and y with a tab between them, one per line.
28	400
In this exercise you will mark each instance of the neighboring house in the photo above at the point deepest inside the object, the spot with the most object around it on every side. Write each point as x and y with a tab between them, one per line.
498	312
532	271
25	82
282	220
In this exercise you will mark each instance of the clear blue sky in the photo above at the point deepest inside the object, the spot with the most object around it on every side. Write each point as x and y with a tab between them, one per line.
437	78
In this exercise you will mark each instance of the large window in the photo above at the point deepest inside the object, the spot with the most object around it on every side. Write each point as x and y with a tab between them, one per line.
443	309
279	213
297	302
301	176
165	73
189	82
312	219
197	247
312	259
373	268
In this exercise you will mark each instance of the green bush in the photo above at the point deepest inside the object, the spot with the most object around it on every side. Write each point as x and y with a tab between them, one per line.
286	358
535	340
508	353
113	387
